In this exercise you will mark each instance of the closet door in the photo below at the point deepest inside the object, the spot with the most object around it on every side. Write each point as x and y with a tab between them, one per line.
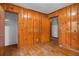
74	27
2	31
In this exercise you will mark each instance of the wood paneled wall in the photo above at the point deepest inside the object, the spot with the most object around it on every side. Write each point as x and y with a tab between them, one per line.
33	27
68	24
1	31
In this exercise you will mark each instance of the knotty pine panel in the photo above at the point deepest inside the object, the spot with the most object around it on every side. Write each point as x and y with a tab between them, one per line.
78	25
2	31
74	25
63	27
68	26
45	28
36	27
28	24
32	28
20	29
10	7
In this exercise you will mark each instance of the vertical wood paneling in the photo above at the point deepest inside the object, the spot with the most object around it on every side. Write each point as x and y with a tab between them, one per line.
45	27
36	27
25	16
1	31
20	28
29	20
47	32
59	29
74	30
33	27
62	27
68	26
78	25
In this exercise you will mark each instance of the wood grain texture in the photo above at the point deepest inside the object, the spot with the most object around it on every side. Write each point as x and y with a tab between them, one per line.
1	31
10	7
68	26
74	27
20	28
78	24
48	49
33	27
45	29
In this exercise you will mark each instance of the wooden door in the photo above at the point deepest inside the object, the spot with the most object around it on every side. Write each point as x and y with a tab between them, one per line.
2	31
74	29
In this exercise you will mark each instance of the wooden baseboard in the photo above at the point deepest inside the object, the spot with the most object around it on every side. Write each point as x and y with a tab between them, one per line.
54	37
11	45
77	51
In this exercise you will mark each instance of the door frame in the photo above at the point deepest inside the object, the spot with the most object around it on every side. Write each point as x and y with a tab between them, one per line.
51	25
50	18
17	25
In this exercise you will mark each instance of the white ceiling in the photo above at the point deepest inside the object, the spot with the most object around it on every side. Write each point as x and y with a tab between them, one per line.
43	7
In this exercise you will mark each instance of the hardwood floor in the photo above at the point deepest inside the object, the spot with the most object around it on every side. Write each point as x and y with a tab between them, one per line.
47	49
